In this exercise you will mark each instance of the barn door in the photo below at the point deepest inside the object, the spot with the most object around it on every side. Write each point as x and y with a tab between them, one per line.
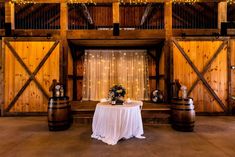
202	65
232	46
29	68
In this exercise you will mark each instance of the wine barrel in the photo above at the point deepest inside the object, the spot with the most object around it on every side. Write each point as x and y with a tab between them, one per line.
59	113
182	114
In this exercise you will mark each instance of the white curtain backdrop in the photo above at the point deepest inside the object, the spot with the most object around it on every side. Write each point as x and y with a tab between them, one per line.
105	68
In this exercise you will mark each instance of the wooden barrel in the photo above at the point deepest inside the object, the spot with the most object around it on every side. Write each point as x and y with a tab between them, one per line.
183	114
59	113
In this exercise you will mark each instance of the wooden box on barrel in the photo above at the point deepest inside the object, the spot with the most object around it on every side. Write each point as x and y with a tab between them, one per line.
59	113
182	114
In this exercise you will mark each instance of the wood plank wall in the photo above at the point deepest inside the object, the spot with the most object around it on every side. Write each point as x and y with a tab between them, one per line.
70	72
200	52
1	76
31	52
232	46
80	68
131	15
101	15
231	12
152	71
162	72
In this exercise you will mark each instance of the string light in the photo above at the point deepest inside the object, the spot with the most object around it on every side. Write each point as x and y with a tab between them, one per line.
231	1
23	2
185	1
79	1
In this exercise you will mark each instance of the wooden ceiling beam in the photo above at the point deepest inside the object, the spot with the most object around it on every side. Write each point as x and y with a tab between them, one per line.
146	14
111	1
86	14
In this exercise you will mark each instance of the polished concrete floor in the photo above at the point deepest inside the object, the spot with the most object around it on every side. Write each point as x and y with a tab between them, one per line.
29	137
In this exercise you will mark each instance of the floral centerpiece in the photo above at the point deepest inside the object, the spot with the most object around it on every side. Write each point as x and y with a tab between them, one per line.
116	94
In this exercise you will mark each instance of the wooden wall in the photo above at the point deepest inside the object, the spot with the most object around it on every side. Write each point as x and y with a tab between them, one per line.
131	15
15	76
232	45
1	76
152	71
200	52
100	14
162	72
70	72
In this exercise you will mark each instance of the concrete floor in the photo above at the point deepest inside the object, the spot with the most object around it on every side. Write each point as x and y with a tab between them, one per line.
29	137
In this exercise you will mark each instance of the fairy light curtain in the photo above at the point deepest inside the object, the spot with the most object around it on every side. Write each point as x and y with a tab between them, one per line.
105	68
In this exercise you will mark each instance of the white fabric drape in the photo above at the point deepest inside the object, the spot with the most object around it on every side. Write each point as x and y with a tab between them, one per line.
105	68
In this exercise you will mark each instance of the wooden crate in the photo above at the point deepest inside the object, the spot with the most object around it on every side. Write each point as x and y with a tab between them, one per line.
211	92
30	65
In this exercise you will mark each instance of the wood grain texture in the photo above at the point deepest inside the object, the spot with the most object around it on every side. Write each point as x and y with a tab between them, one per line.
200	52
232	45
32	99
1	75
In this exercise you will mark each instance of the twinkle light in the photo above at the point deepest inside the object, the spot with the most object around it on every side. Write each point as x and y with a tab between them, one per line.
231	1
185	1
22	1
79	1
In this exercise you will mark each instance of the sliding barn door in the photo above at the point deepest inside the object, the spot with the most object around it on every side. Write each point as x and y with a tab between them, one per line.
29	68
232	45
202	65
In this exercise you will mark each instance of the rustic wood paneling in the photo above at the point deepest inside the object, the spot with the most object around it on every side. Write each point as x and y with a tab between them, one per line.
195	15
2	15
31	52
70	63
152	73
1	76
200	52
162	72
100	14
231	12
70	89
232	42
131	15
37	16
70	72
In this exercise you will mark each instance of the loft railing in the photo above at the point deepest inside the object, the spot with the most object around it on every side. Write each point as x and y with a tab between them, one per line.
231	12
37	16
2	15
195	16
149	16
90	16
185	16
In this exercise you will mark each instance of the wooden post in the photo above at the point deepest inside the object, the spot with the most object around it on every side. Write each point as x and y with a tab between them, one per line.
116	12
64	43
222	13
10	14
116	19
168	19
230	106
168	48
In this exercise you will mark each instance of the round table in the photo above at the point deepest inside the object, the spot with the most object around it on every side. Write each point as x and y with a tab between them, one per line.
114	122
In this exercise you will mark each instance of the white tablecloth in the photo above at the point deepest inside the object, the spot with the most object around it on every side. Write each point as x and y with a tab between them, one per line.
114	122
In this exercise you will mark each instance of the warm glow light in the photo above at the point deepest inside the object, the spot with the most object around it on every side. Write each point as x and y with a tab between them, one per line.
79	1
22	1
231	1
